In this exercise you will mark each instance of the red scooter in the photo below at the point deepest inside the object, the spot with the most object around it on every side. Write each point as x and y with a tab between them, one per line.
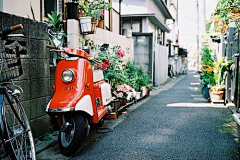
81	97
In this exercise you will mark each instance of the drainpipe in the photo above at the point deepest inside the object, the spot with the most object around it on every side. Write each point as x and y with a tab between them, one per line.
120	19
41	10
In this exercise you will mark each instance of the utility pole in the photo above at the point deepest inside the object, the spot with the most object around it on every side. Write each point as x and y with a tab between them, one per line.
201	18
198	36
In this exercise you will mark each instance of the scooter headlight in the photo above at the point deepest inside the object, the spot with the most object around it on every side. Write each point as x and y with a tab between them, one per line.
67	75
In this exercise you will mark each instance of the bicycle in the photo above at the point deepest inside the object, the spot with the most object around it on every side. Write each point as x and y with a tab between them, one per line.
183	70
15	130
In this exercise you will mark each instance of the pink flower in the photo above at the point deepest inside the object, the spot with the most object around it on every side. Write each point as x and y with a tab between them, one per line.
120	95
120	88
101	14
120	53
104	65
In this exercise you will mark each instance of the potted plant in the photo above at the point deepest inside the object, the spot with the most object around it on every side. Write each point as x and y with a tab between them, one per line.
95	49
122	92
85	17
112	66
56	21
219	70
85	47
101	21
207	74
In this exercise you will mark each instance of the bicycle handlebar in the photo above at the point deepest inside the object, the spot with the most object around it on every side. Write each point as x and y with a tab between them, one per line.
7	30
16	27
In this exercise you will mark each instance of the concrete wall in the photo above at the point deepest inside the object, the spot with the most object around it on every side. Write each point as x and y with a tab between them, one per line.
101	36
21	8
161	64
35	80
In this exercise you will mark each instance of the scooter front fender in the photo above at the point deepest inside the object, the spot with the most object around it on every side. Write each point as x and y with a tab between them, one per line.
85	105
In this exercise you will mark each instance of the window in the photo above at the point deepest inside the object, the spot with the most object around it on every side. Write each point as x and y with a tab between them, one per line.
49	5
126	24
135	24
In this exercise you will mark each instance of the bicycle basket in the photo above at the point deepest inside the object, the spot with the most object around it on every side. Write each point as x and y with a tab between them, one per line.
10	63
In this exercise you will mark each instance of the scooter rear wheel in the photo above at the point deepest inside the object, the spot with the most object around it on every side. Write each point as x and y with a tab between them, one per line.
72	136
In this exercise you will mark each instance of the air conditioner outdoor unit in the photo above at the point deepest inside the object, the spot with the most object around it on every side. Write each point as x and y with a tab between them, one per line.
127	32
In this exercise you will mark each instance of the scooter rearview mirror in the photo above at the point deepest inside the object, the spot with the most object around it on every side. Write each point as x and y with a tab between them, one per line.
56	42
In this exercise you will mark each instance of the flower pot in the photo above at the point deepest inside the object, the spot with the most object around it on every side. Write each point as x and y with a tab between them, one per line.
129	97
144	91
147	91
85	25
206	92
116	106
101	24
124	102
93	27
216	95
71	10
79	14
138	95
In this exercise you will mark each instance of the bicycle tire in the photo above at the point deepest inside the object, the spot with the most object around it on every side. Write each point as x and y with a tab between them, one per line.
19	142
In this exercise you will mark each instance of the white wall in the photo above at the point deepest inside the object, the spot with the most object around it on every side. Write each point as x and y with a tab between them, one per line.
141	7
153	8
101	36
161	64
21	8
115	22
133	7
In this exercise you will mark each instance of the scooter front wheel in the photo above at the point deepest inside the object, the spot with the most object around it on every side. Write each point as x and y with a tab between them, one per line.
71	133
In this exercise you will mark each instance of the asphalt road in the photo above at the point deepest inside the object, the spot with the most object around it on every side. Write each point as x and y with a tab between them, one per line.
176	123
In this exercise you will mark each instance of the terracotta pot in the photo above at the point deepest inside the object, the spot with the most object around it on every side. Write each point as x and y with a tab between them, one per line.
148	91
216	95
79	14
101	24
93	27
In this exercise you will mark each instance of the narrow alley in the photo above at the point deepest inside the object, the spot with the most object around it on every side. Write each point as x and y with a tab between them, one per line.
175	123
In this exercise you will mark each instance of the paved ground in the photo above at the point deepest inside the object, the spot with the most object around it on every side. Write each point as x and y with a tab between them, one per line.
175	123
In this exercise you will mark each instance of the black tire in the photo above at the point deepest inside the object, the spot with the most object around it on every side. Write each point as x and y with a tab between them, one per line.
19	142
71	139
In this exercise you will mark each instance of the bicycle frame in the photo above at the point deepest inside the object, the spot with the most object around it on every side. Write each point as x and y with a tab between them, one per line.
4	92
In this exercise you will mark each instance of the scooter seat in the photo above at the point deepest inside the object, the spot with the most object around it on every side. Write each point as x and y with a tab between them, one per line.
97	75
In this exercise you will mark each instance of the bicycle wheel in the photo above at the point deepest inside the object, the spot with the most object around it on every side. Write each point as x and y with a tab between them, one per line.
19	143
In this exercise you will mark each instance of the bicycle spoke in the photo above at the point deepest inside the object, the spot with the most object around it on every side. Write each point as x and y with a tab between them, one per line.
18	131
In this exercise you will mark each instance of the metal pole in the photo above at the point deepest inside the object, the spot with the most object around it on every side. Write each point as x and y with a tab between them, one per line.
198	63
